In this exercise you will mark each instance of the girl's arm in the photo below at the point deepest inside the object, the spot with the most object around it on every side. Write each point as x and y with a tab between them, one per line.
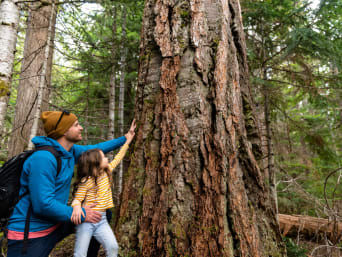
80	193
77	213
129	137
118	158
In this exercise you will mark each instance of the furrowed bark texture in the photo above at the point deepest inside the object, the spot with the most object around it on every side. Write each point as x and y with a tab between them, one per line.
194	187
42	79
30	76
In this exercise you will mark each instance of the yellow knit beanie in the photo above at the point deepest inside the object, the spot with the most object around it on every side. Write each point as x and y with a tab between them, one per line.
57	123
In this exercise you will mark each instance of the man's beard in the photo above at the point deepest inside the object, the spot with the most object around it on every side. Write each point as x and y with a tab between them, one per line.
74	139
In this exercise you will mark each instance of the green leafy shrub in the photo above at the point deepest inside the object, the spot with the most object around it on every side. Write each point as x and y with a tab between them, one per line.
294	250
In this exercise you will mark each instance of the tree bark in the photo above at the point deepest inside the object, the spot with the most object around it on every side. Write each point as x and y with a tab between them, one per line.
111	125
310	227
122	91
9	20
42	79
86	111
269	149
31	71
194	187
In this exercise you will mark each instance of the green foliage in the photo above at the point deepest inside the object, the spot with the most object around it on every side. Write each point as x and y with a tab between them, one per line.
88	53
295	55
294	250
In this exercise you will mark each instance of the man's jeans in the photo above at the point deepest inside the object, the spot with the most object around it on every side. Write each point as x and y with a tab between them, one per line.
103	234
42	246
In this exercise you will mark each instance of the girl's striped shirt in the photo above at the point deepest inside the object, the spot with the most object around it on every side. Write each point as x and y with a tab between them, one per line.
100	193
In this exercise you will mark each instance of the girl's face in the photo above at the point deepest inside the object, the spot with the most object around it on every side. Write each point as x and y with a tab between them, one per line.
104	161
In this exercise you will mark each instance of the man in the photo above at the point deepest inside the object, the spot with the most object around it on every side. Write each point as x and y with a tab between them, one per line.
48	193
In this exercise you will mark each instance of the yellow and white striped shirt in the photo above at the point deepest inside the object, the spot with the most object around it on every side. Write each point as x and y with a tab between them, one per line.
101	193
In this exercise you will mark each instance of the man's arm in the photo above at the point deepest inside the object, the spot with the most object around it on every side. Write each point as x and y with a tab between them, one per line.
42	171
106	146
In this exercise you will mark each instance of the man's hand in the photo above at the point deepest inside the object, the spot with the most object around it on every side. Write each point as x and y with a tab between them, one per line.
91	215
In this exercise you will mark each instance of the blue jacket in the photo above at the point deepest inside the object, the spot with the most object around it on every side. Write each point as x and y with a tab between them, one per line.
47	193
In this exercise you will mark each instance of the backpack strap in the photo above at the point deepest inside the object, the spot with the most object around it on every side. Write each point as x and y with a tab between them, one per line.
52	150
55	153
26	230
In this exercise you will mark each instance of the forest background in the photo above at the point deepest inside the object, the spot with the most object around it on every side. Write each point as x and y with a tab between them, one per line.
294	53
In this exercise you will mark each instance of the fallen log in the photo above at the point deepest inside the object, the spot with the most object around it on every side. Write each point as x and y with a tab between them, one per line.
311	227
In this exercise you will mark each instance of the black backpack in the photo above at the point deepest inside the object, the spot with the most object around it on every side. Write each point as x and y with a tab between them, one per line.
10	174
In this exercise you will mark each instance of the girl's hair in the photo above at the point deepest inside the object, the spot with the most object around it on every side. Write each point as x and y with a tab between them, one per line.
89	165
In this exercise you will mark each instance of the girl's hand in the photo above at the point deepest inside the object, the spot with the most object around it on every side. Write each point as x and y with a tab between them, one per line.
76	214
130	134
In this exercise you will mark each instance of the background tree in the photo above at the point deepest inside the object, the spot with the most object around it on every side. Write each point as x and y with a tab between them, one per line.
122	92
35	65
9	20
291	48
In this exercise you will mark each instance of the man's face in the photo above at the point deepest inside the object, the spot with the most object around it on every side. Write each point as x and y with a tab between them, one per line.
74	133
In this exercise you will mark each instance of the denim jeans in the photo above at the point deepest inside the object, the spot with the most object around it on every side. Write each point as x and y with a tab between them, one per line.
42	246
103	234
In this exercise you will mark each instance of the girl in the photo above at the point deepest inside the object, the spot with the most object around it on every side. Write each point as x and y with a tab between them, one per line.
93	188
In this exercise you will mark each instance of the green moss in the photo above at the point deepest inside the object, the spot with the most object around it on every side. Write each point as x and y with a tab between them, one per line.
131	253
146	192
180	231
181	42
143	57
170	250
4	88
122	220
185	14
215	44
149	101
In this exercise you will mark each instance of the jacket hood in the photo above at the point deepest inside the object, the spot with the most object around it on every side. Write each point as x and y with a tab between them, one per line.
43	141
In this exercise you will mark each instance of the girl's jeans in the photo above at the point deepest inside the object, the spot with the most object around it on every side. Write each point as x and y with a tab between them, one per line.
103	234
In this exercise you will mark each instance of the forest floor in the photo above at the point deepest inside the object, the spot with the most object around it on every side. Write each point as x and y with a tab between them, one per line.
66	248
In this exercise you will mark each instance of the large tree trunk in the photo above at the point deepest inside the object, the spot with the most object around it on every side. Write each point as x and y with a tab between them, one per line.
31	71
194	187
9	20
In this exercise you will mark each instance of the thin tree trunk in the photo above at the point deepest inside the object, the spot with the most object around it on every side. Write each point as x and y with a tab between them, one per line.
111	125
31	72
9	20
194	187
269	152
86	112
42	82
122	91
